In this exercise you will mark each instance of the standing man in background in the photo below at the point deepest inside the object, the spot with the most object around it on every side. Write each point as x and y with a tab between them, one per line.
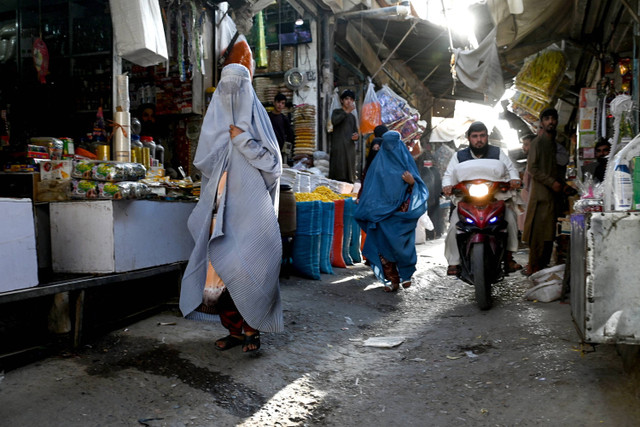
546	188
342	163
281	124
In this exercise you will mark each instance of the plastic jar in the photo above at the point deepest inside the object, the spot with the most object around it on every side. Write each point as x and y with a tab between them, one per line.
147	141
160	154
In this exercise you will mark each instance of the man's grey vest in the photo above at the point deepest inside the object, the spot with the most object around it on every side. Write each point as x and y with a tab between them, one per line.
492	153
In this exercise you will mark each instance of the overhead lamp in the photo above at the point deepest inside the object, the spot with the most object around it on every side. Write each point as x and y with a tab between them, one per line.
299	22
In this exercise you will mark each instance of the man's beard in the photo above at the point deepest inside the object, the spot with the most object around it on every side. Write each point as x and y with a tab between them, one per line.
479	152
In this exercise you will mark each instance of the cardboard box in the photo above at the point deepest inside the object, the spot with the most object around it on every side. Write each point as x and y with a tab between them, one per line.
55	169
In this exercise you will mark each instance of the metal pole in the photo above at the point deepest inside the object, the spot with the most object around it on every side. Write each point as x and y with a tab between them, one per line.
448	26
394	49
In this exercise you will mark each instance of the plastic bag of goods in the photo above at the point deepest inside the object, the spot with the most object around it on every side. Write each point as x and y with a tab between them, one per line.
370	115
335	104
392	106
233	47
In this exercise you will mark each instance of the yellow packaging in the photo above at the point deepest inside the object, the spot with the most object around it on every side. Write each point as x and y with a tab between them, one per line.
103	152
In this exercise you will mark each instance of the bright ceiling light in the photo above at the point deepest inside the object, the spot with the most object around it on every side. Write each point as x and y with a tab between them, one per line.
299	22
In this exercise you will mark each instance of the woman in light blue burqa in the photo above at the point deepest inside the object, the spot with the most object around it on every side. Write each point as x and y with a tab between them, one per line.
234	267
391	203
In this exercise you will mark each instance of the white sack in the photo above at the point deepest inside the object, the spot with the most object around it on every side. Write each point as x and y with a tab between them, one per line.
545	292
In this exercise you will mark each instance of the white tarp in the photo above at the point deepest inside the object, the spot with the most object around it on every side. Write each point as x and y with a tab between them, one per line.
556	16
465	113
480	69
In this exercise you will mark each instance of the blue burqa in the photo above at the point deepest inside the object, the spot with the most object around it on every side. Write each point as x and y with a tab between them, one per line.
391	233
245	247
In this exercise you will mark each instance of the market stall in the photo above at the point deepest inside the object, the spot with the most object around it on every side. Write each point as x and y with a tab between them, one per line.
604	281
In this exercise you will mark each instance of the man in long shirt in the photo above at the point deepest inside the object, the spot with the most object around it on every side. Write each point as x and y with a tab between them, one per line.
545	192
342	163
280	122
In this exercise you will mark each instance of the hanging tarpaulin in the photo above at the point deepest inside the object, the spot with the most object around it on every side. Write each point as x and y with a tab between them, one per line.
138	31
479	69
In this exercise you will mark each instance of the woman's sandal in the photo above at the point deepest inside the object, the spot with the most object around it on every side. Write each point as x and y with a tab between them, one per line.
229	342
453	270
393	287
406	284
251	340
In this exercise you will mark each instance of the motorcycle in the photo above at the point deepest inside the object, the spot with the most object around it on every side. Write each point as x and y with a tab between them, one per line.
481	235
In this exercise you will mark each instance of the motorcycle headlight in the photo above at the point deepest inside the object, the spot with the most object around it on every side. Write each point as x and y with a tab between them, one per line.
478	190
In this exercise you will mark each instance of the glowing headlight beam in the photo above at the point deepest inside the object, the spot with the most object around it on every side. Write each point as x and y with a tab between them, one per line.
478	190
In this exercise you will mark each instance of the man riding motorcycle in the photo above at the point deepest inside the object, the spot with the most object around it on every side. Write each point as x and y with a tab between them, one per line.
479	148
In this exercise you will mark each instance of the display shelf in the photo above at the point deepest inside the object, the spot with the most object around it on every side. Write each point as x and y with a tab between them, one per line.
270	74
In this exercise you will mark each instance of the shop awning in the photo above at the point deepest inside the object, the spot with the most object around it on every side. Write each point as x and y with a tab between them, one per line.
416	44
586	29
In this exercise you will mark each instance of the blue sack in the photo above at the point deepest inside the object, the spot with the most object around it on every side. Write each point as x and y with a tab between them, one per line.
349	207
326	237
354	247
306	243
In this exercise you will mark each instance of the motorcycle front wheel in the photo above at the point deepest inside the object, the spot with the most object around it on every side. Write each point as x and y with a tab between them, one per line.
480	280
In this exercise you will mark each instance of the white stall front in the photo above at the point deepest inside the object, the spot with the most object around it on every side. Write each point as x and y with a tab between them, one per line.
105	236
605	290
18	257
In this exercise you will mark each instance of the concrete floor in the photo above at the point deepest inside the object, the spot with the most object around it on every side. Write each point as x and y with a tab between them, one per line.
520	363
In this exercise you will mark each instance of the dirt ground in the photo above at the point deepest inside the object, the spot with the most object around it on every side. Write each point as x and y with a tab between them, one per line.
520	363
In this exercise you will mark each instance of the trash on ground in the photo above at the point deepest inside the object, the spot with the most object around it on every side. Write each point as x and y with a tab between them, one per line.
383	342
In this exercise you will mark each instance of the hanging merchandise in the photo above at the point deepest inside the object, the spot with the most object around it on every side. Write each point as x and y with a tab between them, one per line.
288	57
538	84
335	104
392	105
99	127
397	114
138	31
41	59
304	122
370	117
618	184
232	45
261	57
275	61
